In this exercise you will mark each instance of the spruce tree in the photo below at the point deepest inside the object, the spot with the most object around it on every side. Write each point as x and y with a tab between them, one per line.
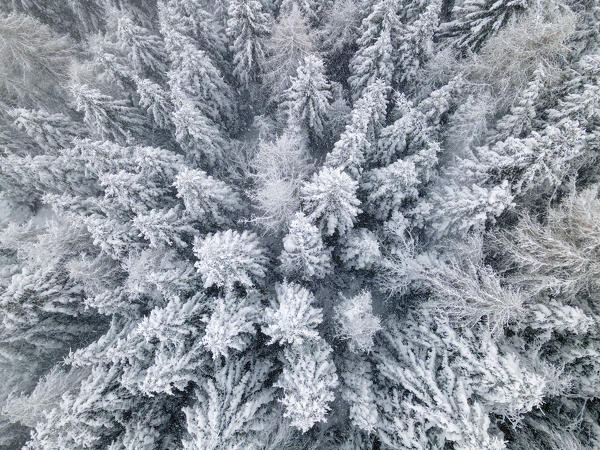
247	27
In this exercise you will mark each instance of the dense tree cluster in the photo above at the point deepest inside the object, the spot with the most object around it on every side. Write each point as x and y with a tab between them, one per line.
271	224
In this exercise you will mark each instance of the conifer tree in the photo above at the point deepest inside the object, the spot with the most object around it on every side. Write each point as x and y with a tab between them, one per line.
403	136
376	55
311	9
289	43
359	139
281	167
428	194
520	121
357	324
416	45
388	188
477	20
156	274
163	227
51	132
436	408
582	99
453	210
357	390
330	200
194	78
199	137
341	28
309	96
89	15
154	99
304	255
360	249
291	320
105	117
195	21
308	380
205	198
231	325
233	408
229	257
145	49
542	163
247	27
34	60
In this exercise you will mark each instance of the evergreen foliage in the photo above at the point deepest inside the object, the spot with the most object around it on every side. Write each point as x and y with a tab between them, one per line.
299	224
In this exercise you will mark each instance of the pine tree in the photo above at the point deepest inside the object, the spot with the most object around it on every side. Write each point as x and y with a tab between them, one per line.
247	28
158	275
420	362
341	28
89	418
582	100
51	132
454	210
12	140
541	163
137	305
230	257
309	96
145	49
163	227
105	117
89	15
477	20
520	121
231	325
162	353
25	180
291	320
357	389
54	316
376	55
311	9
473	293
205	198
34	60
154	99
356	321
536	39
55	14
280	168
360	249
110	59
233	408
330	200
416	45
195	21
308	380
136	179
389	188
304	255
564	247
199	137
194	78
114	235
30	409
359	139
402	137
439	103
147	428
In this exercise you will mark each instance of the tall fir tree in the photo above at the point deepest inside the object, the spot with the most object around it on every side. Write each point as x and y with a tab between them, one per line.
247	28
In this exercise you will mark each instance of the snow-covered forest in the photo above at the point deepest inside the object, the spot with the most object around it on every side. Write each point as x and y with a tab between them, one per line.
299	224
